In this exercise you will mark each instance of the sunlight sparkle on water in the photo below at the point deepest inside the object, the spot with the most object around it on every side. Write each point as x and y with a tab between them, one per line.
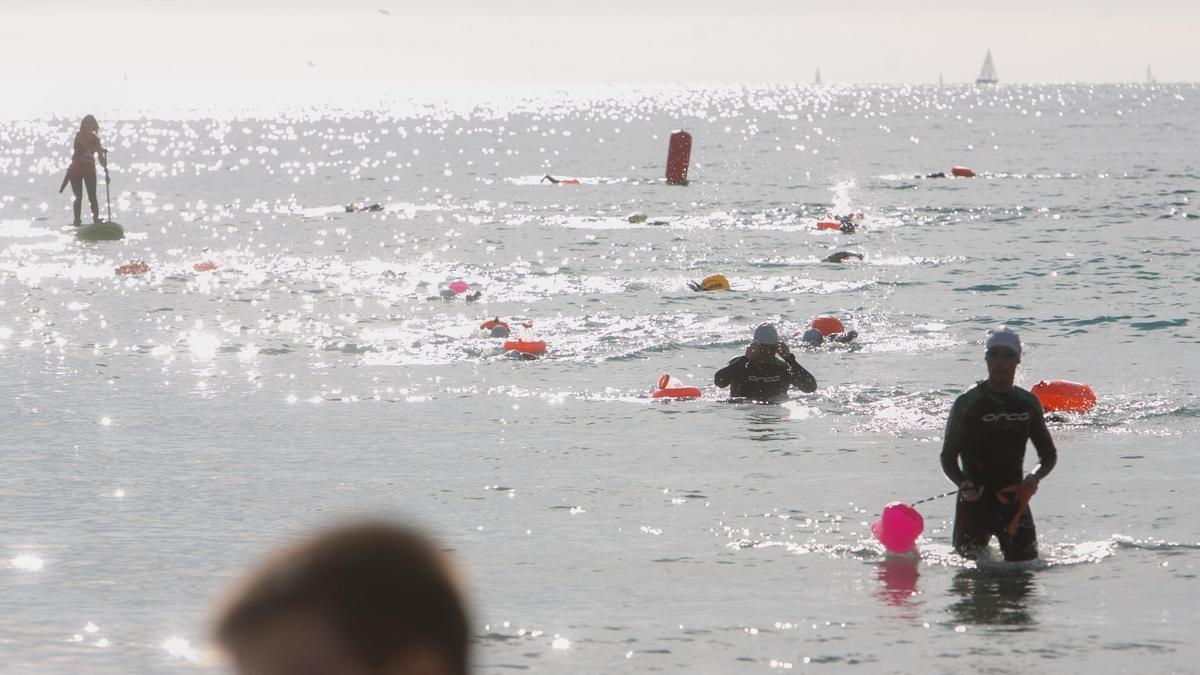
179	648
31	563
560	643
203	345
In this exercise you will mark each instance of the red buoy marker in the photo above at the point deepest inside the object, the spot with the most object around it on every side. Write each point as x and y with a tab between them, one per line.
962	172
1064	396
668	388
828	325
132	268
679	157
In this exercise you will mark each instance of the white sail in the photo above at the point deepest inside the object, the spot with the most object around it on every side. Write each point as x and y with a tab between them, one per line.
988	74
1149	76
818	79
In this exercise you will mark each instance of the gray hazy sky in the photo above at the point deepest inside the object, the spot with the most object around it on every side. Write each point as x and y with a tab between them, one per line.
271	41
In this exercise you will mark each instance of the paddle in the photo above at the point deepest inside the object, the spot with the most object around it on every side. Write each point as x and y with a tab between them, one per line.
107	195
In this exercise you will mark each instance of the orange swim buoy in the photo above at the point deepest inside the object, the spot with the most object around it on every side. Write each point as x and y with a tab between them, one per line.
665	390
1064	396
569	181
205	266
133	267
962	172
492	323
828	225
525	346
828	325
677	392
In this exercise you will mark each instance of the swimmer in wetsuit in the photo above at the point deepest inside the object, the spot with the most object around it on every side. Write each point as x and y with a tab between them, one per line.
983	453
82	171
766	371
842	256
814	338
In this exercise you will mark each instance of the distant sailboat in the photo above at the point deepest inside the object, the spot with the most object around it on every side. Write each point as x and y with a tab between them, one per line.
941	80
988	74
818	78
1149	76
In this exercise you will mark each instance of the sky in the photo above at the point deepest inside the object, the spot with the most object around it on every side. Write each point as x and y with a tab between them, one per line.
47	46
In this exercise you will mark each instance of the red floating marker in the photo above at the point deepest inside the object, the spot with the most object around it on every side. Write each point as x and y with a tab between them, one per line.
1064	396
828	325
205	266
677	392
828	225
135	267
534	347
679	156
669	389
962	172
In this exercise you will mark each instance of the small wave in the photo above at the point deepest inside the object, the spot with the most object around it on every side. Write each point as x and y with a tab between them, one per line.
1155	325
1123	541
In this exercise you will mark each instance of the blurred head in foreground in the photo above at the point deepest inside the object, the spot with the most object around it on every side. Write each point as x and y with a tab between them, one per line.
362	599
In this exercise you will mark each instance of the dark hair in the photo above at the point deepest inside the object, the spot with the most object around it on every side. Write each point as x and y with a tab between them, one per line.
381	588
88	119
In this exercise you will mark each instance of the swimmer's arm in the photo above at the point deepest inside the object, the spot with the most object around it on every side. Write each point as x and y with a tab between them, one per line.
726	375
803	379
952	447
1047	453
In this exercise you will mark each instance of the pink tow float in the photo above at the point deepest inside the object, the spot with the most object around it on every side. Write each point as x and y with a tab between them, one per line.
898	527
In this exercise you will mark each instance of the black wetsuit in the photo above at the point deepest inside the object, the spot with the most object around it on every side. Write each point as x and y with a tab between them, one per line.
988	431
764	381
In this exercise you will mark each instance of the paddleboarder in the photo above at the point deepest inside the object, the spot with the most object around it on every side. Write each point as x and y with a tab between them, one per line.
82	171
766	371
983	453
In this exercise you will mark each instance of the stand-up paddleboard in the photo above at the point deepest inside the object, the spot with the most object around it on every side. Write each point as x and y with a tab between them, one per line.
103	231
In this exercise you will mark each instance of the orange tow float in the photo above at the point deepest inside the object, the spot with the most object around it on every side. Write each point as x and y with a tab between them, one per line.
1064	396
962	172
666	390
828	325
532	347
525	344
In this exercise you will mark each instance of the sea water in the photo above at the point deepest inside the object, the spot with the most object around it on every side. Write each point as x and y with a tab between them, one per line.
165	430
